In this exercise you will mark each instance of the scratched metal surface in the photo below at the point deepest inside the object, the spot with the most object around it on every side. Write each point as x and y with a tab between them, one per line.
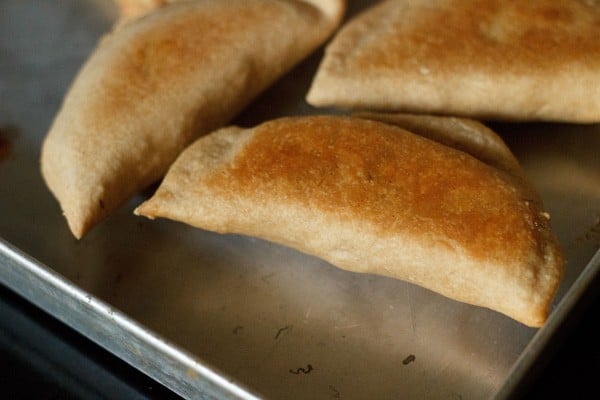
232	316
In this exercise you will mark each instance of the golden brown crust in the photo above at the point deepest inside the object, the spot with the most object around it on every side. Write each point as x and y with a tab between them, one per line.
131	9
488	59
158	82
463	134
371	197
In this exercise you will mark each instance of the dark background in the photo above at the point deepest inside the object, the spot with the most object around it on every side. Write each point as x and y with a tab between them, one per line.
41	358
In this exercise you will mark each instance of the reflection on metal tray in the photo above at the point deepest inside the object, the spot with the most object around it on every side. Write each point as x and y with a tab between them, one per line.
236	317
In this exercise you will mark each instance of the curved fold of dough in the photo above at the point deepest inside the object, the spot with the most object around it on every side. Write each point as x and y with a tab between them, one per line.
463	134
505	60
158	82
132	9
372	197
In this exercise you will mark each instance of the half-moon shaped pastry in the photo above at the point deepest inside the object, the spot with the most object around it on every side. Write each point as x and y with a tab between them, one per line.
158	82
509	60
372	197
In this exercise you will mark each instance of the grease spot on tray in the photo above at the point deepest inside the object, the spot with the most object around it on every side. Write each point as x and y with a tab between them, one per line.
192	374
282	330
409	359
4	149
304	371
592	233
7	134
335	392
238	330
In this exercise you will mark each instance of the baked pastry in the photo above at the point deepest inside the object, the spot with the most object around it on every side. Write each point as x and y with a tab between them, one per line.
158	82
463	134
371	197
498	59
131	9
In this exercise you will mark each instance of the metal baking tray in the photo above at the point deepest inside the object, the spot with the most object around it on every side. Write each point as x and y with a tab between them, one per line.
229	316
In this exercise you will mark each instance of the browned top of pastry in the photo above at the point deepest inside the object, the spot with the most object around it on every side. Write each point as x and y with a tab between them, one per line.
515	60
388	178
498	35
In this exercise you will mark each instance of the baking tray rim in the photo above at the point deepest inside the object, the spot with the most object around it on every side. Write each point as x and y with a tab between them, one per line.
114	330
186	374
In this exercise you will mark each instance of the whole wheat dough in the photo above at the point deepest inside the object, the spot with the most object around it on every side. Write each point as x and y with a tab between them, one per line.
489	59
158	82
371	197
131	9
464	134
